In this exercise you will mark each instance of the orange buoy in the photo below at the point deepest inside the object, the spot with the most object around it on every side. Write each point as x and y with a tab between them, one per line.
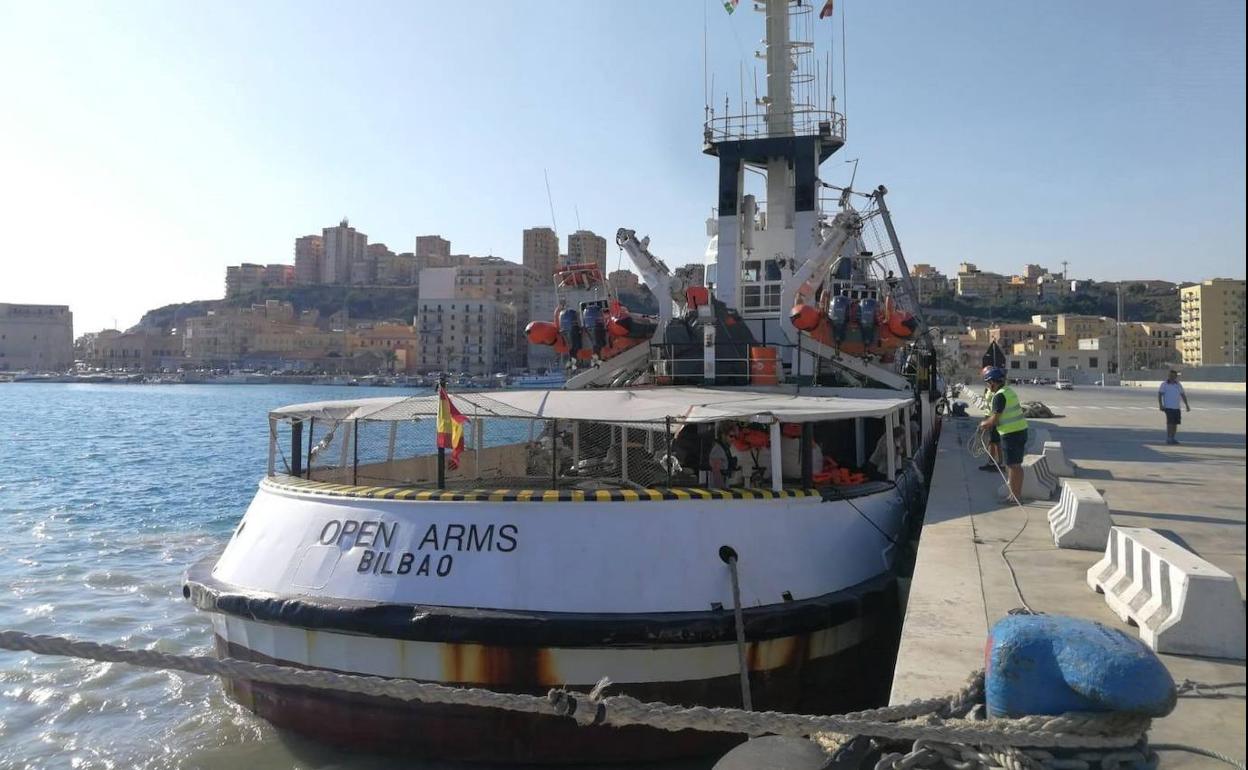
804	317
899	326
542	332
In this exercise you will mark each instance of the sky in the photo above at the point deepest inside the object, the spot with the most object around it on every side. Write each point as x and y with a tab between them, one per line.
144	146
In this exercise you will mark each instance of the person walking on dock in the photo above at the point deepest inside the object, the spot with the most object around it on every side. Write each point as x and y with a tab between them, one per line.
1168	397
1006	417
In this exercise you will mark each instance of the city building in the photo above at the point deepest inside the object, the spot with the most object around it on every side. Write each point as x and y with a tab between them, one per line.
249	277
1150	345
973	282
36	338
503	290
540	251
343	248
1006	335
586	247
1212	317
141	349
928	281
467	336
623	280
396	269
396	343
309	256
432	246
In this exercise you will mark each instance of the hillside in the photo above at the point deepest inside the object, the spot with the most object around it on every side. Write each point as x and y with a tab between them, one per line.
372	303
1139	303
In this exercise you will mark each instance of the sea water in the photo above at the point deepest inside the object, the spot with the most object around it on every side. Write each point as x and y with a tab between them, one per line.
107	494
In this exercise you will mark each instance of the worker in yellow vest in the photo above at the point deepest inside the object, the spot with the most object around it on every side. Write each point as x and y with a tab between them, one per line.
1006	416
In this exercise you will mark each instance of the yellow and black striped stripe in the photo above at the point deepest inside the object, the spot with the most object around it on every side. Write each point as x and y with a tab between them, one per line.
288	484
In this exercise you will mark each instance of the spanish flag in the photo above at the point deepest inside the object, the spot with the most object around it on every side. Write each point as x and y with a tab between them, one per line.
450	427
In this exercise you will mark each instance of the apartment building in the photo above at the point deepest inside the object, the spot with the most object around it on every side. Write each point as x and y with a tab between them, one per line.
586	247
540	251
141	349
249	277
309	256
1211	314
473	336
343	248
36	338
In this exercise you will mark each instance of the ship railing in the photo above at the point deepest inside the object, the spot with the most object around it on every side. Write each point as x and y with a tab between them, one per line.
502	453
804	121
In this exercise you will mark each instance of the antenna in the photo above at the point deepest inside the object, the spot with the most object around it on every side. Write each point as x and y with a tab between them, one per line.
577	211
551	202
1064	264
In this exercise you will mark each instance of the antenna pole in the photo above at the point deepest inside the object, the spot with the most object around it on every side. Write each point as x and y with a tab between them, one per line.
551	202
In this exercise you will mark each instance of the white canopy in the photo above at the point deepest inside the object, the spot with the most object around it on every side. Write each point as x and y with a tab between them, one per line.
622	405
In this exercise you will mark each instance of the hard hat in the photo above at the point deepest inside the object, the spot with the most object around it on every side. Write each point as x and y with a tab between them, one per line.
994	373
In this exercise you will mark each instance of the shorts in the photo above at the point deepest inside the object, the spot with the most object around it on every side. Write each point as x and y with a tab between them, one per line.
1173	416
994	437
1015	445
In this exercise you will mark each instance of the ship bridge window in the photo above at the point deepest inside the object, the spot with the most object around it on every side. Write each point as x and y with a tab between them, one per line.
751	297
750	271
773	270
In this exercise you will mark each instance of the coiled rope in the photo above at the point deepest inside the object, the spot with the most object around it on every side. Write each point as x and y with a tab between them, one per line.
943	720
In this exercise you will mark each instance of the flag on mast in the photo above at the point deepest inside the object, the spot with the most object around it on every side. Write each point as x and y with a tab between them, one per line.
450	427
730	5
826	11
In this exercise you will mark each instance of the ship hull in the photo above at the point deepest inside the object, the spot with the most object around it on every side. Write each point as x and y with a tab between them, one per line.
840	668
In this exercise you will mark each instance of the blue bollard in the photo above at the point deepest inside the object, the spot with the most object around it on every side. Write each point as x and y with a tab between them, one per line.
1051	664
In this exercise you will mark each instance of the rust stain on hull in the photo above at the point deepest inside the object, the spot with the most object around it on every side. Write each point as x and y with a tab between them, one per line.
500	667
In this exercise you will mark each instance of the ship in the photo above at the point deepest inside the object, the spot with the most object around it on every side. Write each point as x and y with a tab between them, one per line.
713	509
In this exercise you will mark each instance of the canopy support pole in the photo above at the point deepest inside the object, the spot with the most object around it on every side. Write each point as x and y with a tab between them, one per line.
777	459
311	425
355	452
909	437
554	454
478	428
623	453
667	449
890	420
296	448
808	439
394	434
860	442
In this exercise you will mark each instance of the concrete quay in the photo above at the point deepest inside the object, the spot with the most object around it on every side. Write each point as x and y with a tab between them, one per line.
1193	493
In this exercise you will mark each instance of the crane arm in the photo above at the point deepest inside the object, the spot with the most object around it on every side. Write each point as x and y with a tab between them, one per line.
799	288
653	271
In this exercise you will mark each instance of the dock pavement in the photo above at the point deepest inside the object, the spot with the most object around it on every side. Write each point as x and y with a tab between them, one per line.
1193	493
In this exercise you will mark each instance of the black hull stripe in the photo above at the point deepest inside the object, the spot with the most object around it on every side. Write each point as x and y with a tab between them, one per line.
430	623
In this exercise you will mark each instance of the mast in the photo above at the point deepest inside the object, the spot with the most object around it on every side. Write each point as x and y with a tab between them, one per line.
756	244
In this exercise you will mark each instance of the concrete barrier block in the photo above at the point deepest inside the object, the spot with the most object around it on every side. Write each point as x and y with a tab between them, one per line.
1182	603
1056	456
1039	483
1081	517
1102	573
1037	436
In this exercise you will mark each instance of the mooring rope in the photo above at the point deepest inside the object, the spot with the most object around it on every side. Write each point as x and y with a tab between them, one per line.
940	720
